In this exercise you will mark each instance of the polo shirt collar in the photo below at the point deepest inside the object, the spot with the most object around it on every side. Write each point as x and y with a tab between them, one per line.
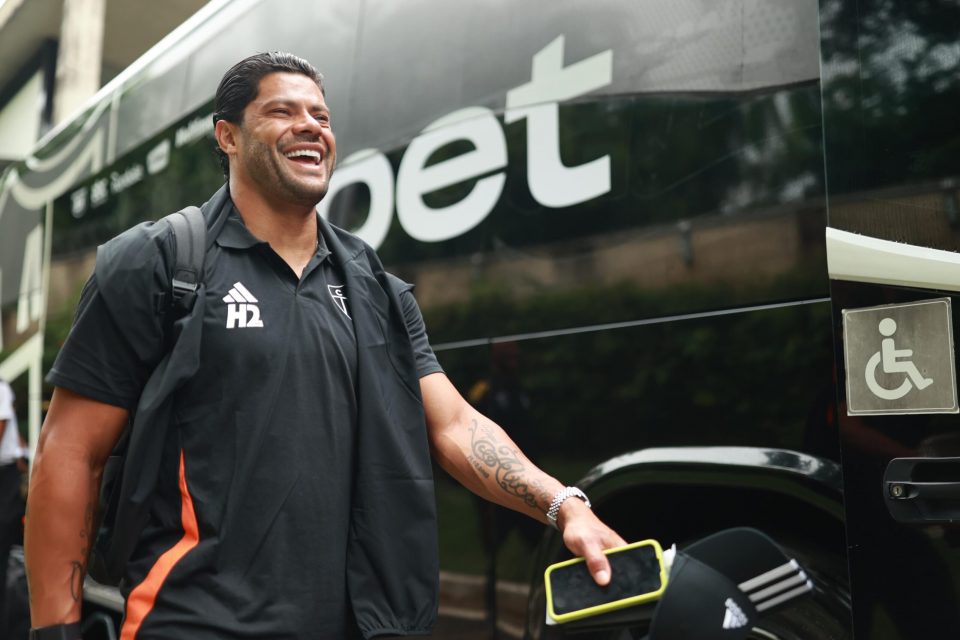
235	235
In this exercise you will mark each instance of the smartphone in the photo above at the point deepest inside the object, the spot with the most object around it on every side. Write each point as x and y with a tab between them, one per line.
638	575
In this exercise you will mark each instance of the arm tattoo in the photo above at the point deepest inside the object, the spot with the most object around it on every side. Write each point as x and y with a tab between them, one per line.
504	462
79	567
76	580
87	531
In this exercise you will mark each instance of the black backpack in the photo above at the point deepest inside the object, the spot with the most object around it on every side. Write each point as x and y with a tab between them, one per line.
190	240
114	540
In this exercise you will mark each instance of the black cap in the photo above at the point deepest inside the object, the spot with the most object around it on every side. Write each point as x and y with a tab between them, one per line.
717	585
702	603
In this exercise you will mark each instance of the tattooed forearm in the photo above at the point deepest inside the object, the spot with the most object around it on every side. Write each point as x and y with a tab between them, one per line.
504	462
478	466
544	496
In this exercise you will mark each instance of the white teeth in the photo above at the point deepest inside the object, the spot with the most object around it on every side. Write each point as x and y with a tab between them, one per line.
303	152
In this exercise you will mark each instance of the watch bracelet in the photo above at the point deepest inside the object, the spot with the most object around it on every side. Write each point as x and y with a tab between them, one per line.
553	511
69	631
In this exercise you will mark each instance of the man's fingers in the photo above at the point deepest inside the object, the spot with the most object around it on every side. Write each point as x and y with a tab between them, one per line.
614	540
588	537
597	561
598	565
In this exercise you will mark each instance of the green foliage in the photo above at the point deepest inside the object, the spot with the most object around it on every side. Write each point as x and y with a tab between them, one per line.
747	378
890	91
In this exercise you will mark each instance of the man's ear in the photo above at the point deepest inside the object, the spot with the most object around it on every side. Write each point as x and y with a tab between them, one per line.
226	133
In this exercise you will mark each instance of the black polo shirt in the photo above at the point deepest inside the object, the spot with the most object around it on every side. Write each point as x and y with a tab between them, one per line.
249	528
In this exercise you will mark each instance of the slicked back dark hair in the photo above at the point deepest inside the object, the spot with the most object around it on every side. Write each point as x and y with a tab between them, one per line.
241	83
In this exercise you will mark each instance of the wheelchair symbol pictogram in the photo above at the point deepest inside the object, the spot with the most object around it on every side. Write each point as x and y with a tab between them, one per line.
893	361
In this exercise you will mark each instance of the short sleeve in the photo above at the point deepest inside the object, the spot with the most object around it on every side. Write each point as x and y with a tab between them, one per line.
117	336
426	360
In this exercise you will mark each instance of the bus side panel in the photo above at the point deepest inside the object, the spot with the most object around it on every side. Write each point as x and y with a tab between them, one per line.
889	100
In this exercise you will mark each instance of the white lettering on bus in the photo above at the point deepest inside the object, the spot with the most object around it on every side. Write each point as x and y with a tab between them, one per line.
78	202
477	125
372	168
99	192
125	180
193	130
550	182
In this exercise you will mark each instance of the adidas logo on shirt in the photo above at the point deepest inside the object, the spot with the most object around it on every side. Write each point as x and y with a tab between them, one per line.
734	618
242	309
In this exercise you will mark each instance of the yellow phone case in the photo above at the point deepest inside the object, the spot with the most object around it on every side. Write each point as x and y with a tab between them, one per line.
609	606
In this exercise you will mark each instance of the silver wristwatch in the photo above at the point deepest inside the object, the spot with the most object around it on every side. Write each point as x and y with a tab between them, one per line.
560	498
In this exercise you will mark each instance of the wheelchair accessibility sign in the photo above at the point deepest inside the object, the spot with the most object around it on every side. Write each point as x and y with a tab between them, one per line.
899	359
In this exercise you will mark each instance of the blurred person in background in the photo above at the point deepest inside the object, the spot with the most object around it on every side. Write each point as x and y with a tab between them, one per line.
13	464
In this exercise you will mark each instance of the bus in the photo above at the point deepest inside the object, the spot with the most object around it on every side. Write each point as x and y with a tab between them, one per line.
616	217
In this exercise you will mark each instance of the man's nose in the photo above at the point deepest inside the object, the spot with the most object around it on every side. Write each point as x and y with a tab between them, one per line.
307	123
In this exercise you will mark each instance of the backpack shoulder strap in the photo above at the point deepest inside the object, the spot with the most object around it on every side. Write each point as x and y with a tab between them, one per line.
190	235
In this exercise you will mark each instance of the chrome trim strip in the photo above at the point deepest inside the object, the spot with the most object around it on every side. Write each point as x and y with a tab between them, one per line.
479	342
859	258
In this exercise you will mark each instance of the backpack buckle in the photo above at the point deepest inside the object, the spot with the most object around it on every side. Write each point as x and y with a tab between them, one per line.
182	288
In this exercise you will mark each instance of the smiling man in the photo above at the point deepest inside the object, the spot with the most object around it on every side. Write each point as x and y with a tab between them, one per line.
295	495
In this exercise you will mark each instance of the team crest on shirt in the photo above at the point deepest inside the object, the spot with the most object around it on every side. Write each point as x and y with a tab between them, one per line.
339	297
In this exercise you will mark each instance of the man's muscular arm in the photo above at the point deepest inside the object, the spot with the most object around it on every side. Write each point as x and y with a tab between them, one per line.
482	457
75	442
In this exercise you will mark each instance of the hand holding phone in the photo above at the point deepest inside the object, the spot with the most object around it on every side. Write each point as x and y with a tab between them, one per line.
638	575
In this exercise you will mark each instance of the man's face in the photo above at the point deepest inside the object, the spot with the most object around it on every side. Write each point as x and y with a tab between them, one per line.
285	148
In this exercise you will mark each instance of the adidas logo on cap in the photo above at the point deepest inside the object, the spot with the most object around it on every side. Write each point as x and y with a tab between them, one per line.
733	618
